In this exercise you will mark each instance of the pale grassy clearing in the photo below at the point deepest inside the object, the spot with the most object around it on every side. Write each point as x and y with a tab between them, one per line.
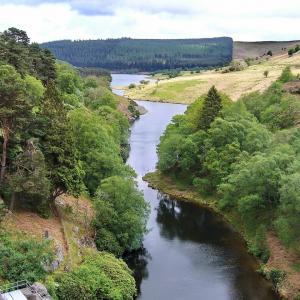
187	88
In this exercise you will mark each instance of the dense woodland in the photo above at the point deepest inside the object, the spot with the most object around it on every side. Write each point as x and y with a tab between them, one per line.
62	133
246	155
137	55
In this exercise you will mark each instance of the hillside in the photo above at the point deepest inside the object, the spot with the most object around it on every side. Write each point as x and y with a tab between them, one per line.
63	145
242	159
188	87
242	50
143	55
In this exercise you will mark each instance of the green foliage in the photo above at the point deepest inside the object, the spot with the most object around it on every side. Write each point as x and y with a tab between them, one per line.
65	136
131	86
29	181
35	90
291	51
58	146
258	247
272	107
207	157
286	75
288	224
23	258
253	186
105	277
100	96
2	210
14	110
255	172
144	55
26	58
276	276
211	108
121	215
266	73
98	147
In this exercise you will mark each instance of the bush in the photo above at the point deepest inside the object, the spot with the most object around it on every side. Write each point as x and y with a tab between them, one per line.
266	73
276	276
286	75
100	276
259	247
121	215
237	65
131	86
23	258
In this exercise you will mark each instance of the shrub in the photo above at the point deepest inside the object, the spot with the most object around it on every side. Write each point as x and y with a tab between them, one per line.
100	276
237	65
121	215
23	258
286	75
266	73
131	86
291	52
276	276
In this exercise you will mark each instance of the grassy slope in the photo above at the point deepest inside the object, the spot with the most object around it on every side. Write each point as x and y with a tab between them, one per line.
69	223
187	88
256	49
280	257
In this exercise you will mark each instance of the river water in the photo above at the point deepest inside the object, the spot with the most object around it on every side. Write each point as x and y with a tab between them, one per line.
189	253
123	80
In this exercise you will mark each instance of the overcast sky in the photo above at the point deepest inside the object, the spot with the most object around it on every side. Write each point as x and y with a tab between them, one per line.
91	19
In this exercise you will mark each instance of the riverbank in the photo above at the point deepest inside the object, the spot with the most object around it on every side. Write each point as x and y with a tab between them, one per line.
280	257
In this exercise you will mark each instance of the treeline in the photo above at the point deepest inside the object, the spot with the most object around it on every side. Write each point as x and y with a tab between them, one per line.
144	55
62	133
246	154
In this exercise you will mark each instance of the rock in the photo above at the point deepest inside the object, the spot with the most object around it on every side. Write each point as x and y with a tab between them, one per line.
59	257
41	290
36	291
87	242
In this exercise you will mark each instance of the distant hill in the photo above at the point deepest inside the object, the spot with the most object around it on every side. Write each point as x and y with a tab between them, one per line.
242	50
144	55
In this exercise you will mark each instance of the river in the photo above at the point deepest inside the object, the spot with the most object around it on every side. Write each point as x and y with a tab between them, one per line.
123	80
190	252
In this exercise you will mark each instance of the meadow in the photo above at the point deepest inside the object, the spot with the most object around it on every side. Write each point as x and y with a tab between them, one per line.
188	87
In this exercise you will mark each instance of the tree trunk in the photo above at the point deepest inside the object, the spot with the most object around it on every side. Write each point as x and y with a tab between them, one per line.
12	201
4	153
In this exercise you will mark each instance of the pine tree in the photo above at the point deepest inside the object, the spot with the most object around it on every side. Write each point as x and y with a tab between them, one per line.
30	178
58	146
211	108
14	110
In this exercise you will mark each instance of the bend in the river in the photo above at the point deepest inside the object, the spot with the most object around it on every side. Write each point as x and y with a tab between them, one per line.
189	252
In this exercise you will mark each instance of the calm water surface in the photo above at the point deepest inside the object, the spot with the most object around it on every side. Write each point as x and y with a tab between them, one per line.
121	80
189	252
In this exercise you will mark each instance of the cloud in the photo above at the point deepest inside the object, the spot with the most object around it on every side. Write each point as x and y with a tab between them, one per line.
92	19
290	8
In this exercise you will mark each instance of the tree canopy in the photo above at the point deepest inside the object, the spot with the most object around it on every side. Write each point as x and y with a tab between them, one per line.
245	154
142	55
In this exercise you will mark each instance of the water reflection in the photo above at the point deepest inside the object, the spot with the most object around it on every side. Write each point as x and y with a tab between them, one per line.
138	261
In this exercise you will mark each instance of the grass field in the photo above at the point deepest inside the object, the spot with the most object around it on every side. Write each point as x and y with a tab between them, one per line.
188	87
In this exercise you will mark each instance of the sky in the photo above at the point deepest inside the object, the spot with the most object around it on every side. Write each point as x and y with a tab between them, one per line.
245	20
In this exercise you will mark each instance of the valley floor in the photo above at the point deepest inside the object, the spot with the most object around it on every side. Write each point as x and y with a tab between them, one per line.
188	87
